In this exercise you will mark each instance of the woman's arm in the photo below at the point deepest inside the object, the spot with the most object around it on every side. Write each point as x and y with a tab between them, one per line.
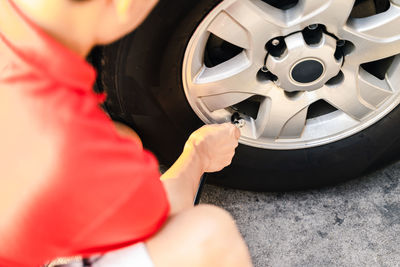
209	149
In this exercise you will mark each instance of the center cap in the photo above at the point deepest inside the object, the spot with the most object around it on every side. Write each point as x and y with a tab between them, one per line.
307	71
304	67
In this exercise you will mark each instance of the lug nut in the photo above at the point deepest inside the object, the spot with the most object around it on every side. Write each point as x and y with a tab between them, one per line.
276	46
275	42
312	26
340	43
340	49
265	74
313	34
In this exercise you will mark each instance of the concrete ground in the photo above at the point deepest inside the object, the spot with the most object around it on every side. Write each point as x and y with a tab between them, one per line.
353	224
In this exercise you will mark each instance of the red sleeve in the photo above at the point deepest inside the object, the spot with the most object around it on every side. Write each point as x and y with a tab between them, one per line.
104	192
122	199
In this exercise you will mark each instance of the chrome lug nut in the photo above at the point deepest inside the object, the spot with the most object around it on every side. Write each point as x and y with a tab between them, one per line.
312	26
276	46
340	43
275	42
264	69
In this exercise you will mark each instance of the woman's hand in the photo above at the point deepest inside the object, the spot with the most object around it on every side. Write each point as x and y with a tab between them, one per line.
215	145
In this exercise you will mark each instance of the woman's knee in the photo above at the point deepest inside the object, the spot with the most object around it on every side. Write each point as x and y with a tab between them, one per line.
202	236
213	219
216	235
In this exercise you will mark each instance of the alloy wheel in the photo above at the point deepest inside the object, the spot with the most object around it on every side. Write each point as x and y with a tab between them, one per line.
296	76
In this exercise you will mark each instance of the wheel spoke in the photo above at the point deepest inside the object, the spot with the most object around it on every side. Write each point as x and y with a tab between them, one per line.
373	90
346	97
332	13
260	21
256	16
234	75
229	83
295	126
392	75
217	102
374	37
226	28
282	116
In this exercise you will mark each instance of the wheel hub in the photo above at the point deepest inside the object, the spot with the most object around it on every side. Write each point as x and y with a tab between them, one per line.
305	67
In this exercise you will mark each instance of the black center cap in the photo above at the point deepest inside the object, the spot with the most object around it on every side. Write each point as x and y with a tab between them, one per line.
307	71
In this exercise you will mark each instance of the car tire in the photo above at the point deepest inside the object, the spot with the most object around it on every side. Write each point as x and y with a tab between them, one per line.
142	76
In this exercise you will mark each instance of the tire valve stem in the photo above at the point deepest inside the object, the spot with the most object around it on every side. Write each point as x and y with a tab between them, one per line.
238	121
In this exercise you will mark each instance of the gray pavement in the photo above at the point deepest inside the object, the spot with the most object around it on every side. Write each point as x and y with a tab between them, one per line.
353	224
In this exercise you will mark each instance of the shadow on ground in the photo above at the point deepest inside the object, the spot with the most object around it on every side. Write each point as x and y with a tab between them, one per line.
353	224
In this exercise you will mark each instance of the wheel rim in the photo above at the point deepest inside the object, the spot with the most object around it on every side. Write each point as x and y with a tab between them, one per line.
283	104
